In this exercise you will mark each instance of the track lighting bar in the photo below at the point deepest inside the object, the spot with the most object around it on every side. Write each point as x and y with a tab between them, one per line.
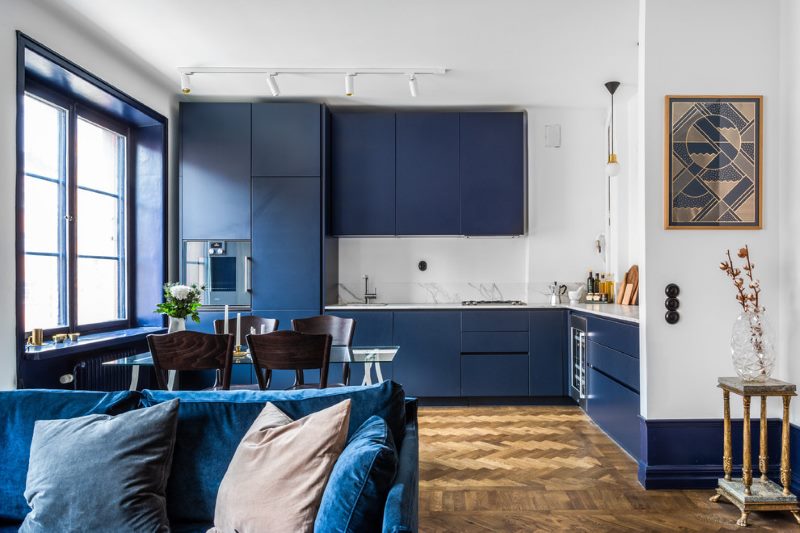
349	75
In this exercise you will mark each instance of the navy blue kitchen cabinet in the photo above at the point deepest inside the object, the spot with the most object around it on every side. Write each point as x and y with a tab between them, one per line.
373	328
615	409
215	170
548	352
427	174
429	361
287	243
286	139
363	173
492	168
494	374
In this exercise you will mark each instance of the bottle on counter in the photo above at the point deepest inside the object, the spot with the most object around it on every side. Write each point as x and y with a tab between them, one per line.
590	287
611	288
597	283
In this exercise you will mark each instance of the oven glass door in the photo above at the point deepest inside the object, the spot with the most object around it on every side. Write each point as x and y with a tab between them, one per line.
222	267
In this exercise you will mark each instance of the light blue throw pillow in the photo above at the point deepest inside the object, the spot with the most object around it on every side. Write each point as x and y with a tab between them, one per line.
355	495
101	473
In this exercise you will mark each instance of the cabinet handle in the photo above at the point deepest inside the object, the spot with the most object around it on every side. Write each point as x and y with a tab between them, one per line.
248	280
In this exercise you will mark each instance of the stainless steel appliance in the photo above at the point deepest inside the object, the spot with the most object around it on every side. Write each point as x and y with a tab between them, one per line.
492	302
223	267
578	376
556	291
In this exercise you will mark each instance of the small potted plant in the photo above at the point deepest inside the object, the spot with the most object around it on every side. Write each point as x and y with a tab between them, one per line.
751	337
180	302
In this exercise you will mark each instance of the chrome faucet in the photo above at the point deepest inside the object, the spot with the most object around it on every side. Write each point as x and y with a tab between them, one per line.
369	295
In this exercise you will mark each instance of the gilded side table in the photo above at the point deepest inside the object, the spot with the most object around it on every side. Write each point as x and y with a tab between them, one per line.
761	494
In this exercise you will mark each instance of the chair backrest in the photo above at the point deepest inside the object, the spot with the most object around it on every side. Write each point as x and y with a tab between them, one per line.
270	325
191	350
341	329
289	350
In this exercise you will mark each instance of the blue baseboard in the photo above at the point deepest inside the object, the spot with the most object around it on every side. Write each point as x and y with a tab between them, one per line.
687	454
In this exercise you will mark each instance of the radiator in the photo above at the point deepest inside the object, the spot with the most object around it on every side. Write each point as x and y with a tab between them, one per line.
91	374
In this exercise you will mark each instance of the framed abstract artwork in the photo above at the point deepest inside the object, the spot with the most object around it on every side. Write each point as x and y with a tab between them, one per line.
713	177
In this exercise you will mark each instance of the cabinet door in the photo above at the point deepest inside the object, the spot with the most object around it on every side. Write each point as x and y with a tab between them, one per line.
429	361
492	155
427	174
286	243
215	171
286	140
362	173
548	354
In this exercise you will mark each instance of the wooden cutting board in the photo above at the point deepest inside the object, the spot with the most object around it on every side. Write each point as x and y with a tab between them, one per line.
628	293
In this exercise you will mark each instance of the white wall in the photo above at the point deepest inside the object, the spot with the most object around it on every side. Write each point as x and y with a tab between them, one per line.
790	195
101	57
566	206
709	47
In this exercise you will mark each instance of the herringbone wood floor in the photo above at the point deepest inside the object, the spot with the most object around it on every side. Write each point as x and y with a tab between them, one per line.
549	469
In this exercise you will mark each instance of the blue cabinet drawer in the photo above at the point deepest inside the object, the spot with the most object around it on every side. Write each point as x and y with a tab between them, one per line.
494	342
621	337
494	375
615	409
500	320
618	365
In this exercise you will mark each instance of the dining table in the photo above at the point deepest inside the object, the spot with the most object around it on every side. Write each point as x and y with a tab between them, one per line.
370	356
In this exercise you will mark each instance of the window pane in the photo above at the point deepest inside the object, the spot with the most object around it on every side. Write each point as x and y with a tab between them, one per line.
101	158
98	224
98	291
44	216
44	138
42	294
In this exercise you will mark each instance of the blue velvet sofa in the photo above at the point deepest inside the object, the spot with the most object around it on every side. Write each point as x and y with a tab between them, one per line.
210	426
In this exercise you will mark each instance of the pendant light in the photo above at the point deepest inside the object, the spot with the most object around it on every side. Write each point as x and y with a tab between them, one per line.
348	84
185	87
412	85
612	166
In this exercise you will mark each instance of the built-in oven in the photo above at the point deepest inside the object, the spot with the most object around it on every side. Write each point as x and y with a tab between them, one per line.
578	379
223	268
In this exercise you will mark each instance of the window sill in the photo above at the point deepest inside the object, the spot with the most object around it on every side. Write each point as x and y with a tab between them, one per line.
92	342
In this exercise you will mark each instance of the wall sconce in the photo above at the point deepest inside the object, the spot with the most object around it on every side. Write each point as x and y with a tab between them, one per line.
612	166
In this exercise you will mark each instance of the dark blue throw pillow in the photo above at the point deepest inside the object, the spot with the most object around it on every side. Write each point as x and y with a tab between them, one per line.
101	472
355	496
19	411
212	423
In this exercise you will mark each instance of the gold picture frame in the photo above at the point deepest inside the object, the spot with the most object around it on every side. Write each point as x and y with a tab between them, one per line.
713	159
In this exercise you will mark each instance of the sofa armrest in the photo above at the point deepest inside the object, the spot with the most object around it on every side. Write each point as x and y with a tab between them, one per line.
401	513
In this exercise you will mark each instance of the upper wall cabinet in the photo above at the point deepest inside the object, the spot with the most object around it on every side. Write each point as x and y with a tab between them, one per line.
286	140
492	155
427	174
363	173
215	170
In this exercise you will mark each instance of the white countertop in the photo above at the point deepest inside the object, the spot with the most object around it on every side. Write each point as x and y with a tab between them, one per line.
629	313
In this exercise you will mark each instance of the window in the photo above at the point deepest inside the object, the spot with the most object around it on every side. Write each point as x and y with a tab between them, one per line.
75	216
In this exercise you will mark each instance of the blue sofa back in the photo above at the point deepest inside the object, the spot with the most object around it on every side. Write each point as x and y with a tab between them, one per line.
210	427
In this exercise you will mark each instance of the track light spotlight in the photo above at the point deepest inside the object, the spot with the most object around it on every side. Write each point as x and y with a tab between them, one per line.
185	88
273	85
348	84
412	85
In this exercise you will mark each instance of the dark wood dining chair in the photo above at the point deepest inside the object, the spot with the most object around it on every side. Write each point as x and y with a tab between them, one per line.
290	350
340	329
191	350
270	325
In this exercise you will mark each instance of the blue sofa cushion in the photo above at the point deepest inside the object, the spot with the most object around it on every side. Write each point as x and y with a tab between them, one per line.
19	410
354	498
212	423
101	472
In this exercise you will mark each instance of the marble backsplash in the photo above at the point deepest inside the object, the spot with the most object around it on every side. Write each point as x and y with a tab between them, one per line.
446	292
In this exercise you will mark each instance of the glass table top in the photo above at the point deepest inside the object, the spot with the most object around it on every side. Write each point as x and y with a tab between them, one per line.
339	354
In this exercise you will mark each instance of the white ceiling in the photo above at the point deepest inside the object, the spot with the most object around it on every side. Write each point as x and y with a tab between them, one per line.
498	52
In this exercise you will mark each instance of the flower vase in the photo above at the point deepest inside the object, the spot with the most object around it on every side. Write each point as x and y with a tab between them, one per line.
752	347
176	324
